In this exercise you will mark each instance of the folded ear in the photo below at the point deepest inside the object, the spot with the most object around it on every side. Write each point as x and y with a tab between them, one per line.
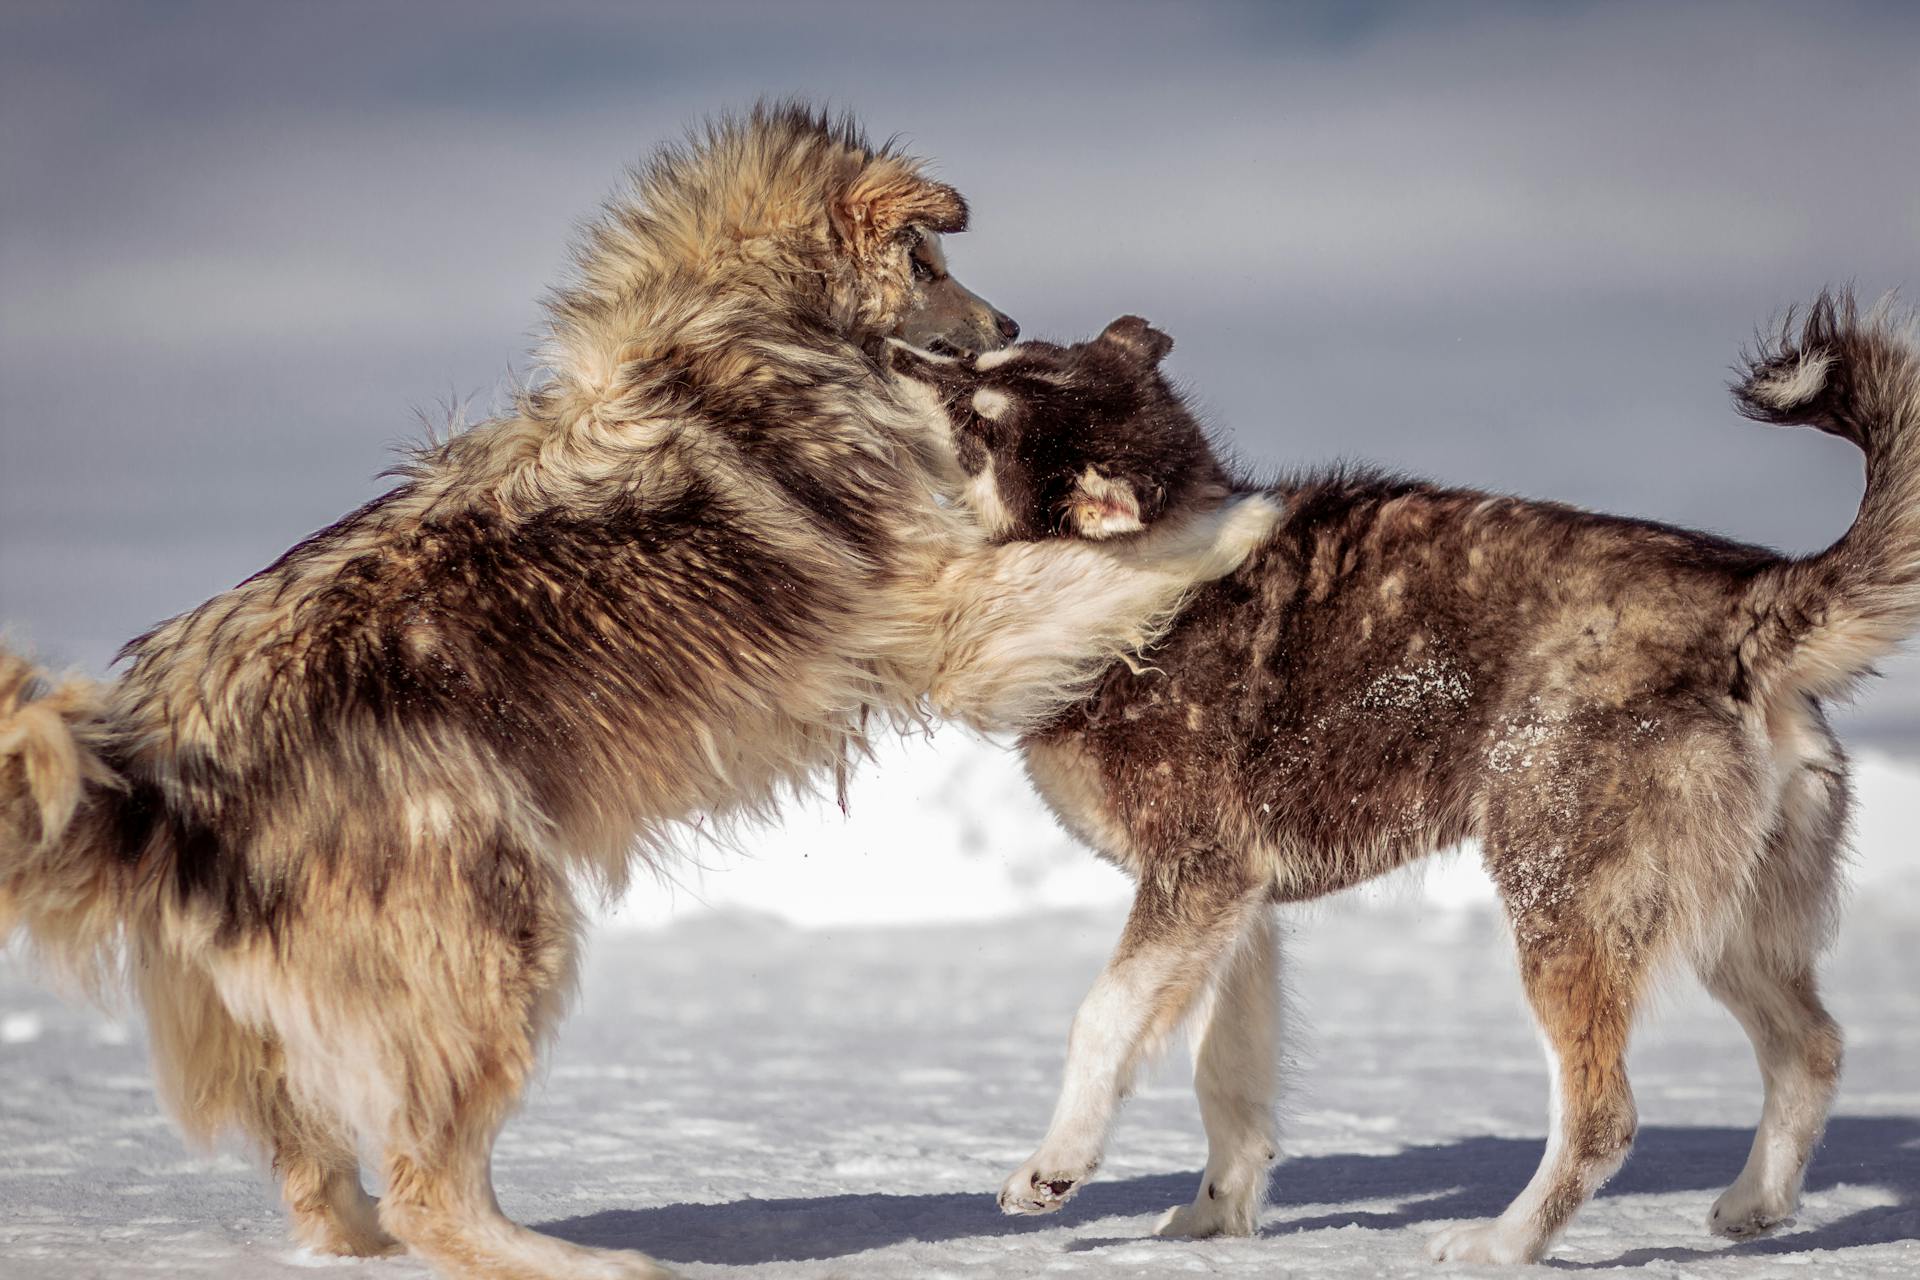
884	198
1101	508
1136	337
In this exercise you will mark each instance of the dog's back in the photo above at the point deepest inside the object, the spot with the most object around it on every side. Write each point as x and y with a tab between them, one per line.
1360	691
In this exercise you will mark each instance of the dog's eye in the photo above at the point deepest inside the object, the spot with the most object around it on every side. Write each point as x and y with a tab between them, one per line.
922	269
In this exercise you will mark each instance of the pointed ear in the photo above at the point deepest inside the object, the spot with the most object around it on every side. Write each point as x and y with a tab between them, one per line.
1101	508
1136	337
884	198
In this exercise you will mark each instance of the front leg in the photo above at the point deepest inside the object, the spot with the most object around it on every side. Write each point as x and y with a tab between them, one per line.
1185	918
1025	628
1236	1071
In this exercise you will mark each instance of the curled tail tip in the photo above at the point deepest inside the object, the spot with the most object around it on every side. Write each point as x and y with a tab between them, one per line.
45	765
1828	366
1856	376
62	890
1786	376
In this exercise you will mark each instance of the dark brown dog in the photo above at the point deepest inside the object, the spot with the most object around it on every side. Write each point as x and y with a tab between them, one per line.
1626	716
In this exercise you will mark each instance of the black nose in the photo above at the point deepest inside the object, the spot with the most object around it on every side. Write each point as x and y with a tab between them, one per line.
1006	325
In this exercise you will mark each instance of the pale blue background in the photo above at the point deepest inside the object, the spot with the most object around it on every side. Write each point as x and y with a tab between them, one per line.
1512	246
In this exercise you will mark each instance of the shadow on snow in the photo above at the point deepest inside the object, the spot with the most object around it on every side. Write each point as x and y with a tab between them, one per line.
1471	1178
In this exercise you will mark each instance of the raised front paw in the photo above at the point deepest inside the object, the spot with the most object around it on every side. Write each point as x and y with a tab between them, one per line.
1042	1185
1496	1241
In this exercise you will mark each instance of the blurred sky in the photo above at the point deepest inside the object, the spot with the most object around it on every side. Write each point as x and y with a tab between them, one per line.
1510	246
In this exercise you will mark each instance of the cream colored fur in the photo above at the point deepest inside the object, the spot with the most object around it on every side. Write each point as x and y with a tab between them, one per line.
338	820
1026	627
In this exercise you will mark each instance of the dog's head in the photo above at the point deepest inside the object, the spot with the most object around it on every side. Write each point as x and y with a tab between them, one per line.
1087	440
788	215
887	221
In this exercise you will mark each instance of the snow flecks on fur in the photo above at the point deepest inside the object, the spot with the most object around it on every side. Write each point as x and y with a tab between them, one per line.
1522	739
1403	666
1434	682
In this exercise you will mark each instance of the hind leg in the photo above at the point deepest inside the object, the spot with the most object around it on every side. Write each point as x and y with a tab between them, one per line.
320	1181
1591	910
1236	1071
440	1054
1765	976
216	1074
440	1200
419	1019
1583	985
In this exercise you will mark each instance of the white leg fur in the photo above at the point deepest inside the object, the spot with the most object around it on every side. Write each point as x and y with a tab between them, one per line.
1028	625
1792	1118
1145	992
1766	979
1236	1072
1104	1050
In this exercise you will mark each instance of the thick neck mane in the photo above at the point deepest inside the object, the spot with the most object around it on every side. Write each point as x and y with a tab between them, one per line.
711	288
717	252
699	205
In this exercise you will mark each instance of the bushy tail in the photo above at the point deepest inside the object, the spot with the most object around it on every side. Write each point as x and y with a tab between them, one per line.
1822	622
60	883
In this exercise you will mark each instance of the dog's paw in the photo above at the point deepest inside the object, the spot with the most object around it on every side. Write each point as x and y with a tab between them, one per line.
350	1244
1495	1241
1743	1212
1042	1185
608	1264
351	1231
1214	1212
1241	529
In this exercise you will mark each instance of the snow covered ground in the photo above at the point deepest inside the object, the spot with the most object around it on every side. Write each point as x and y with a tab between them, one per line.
822	1060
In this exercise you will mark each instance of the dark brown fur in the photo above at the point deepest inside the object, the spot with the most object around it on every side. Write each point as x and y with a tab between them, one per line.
336	819
1625	715
339	820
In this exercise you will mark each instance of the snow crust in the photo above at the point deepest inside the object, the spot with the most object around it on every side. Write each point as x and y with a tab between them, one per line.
947	829
823	1064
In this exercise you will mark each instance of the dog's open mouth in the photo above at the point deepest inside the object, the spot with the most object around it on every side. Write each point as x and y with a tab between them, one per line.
941	347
